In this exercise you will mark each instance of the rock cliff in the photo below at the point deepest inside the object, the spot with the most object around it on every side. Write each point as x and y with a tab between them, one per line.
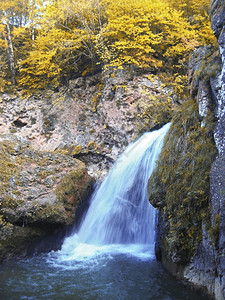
188	184
217	182
93	118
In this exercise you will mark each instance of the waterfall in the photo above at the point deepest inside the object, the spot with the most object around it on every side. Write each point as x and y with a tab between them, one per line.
120	212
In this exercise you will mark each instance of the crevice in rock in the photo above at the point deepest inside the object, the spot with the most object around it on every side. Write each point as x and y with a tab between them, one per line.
19	123
93	157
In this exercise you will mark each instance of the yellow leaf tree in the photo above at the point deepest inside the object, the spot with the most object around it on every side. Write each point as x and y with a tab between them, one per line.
16	34
77	37
65	45
144	33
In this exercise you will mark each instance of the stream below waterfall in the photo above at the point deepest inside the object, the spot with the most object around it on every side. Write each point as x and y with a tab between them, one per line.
111	254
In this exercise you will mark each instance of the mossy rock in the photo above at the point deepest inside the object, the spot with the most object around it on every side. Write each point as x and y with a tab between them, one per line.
38	191
72	190
180	184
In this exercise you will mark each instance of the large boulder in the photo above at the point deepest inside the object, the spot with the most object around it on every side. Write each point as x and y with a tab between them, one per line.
40	193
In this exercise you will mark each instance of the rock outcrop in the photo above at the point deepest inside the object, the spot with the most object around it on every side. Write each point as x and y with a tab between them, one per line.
40	194
188	184
94	118
218	168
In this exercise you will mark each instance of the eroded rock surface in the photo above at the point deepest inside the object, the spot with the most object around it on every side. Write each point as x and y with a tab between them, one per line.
93	119
218	168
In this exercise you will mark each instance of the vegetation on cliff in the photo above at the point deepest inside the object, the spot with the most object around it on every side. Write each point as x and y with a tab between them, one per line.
45	43
180	184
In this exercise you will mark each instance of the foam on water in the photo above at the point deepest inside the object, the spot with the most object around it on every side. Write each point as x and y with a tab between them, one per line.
89	256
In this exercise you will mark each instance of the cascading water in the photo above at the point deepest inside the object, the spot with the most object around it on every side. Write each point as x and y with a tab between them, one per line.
120	212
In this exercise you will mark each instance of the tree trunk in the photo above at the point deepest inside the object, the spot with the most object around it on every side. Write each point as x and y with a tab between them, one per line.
11	55
32	34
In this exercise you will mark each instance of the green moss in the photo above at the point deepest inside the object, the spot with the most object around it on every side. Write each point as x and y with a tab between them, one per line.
42	212
6	228
17	240
210	64
13	130
214	231
77	150
26	175
92	131
181	180
82	117
13	156
94	103
74	151
154	110
9	173
70	185
47	123
43	173
10	202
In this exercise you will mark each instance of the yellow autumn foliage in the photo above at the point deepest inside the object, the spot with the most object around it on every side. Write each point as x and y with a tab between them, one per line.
62	39
145	33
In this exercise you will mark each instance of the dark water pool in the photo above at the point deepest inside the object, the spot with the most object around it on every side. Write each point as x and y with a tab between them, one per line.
101	276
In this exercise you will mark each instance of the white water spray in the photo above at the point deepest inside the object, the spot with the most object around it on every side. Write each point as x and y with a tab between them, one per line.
120	212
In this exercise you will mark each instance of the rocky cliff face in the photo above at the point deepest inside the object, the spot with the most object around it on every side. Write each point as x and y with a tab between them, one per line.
93	118
188	184
218	169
